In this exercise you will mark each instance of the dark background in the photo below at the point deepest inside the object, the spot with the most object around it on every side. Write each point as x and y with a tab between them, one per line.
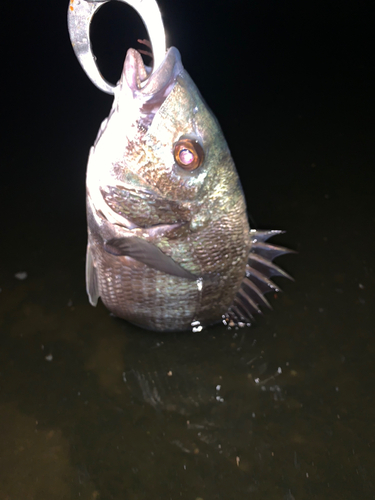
292	84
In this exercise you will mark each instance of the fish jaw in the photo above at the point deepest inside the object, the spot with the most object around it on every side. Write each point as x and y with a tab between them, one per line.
148	91
138	96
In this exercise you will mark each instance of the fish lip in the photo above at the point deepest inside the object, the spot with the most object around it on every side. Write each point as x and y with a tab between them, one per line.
151	87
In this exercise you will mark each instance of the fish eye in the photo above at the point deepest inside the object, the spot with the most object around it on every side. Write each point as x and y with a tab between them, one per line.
188	154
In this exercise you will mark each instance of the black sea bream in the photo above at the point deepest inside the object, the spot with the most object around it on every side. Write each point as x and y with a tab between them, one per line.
169	243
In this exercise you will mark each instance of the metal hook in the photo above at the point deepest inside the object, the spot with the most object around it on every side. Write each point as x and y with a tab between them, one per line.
80	14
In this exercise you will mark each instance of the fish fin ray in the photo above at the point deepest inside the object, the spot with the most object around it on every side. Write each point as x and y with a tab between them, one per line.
266	266
237	316
92	288
250	289
147	253
259	271
244	298
269	251
264	234
264	283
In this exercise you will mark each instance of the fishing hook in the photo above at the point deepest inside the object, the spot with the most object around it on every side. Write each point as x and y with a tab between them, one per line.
80	14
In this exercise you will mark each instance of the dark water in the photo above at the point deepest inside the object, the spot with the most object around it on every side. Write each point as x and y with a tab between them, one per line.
94	408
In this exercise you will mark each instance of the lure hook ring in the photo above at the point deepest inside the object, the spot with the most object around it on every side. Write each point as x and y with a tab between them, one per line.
80	14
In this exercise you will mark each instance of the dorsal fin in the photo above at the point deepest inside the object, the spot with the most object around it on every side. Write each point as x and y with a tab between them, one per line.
257	282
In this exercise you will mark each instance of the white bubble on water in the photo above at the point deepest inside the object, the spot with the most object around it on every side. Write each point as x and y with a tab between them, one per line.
22	275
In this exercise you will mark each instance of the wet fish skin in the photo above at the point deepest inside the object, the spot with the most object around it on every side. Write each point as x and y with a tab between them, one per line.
167	247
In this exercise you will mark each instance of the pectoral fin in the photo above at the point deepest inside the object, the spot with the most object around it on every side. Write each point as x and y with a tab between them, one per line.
147	253
91	278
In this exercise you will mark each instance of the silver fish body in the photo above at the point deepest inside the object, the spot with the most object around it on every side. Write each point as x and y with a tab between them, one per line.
169	244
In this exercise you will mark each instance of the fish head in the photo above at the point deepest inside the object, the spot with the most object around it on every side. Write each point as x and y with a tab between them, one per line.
161	157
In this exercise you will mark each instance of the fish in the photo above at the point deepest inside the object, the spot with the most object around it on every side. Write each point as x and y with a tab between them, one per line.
169	242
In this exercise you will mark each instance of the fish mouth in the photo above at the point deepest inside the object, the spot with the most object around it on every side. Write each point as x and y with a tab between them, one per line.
150	89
